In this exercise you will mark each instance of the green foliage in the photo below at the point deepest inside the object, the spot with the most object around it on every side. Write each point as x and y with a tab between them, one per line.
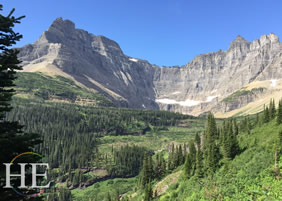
233	97
99	191
279	112
48	88
229	143
146	174
266	115
211	149
176	156
236	94
127	161
64	128
148	192
190	162
59	195
13	140
253	174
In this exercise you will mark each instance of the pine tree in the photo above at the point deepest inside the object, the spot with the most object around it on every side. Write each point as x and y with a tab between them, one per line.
211	152
188	165
226	141
279	112
272	109
171	159
257	119
266	115
160	168
230	146
280	143
146	174
235	127
144	177
199	157
190	162
13	140
148	192
150	167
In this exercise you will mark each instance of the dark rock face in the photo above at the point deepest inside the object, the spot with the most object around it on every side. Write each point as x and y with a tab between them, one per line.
99	63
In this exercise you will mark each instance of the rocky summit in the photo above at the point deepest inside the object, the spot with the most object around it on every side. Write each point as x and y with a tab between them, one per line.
237	81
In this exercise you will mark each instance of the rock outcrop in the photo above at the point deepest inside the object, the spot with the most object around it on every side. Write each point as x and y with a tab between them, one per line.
98	63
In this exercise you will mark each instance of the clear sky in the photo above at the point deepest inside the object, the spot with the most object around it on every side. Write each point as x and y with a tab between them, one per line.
164	32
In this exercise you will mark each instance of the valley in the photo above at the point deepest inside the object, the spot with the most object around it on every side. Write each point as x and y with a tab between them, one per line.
95	172
112	127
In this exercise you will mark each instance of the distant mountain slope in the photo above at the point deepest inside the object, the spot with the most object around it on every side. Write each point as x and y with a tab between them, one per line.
98	63
39	86
93	61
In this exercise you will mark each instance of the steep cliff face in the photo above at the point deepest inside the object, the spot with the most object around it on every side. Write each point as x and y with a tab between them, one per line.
99	64
209	78
93	61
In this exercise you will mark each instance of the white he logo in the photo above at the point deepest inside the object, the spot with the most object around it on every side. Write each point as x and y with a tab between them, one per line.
22	175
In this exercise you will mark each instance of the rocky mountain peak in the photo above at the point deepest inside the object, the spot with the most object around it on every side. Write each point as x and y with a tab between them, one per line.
239	43
62	25
98	63
239	38
59	31
267	39
64	32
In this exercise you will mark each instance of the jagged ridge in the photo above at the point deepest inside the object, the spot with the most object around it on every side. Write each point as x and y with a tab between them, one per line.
99	64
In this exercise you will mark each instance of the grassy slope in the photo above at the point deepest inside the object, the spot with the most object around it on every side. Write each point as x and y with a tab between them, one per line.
154	140
100	190
264	90
43	87
249	176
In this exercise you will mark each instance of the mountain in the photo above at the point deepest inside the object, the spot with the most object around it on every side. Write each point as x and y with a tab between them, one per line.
94	62
237	81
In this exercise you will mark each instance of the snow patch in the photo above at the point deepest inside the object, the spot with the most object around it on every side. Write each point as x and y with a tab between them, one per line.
177	92
187	102
273	83
210	98
133	59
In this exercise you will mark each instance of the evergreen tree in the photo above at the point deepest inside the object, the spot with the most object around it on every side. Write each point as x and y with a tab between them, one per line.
199	164
199	157
229	145
188	166
13	140
257	119
190	162
279	112
150	167
280	143
160	168
148	192
171	159
211	152
266	115
146	174
235	127
226	142
272	109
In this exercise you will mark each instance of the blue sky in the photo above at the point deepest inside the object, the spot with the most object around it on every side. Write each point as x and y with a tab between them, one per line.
164	32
